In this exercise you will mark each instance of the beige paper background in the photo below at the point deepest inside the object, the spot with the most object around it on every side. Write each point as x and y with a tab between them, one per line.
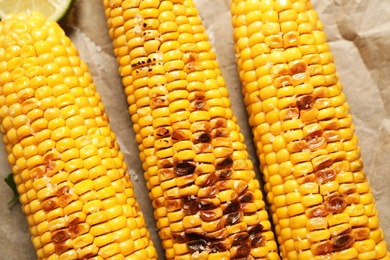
359	34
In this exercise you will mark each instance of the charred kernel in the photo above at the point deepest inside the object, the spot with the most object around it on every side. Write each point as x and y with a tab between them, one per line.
75	230
224	163
208	192
335	204
233	218
60	236
206	204
180	135
63	190
197	245
217	235
166	163
298	67
182	168
211	180
343	241
323	248
224	173
255	229
162	132
173	205
198	104
258	241
208	215
49	204
179	237
60	248
242	251
325	175
189	203
65	199
157	102
217	246
232	206
246	197
195	233
239	238
305	101
203	138
318	211
220	132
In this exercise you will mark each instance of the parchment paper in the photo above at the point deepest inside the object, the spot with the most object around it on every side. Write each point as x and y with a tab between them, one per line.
358	32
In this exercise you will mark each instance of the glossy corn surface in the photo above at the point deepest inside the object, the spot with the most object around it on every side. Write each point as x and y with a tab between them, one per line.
321	203
71	176
207	202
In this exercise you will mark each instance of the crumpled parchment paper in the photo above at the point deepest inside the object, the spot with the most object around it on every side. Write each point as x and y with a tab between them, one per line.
358	32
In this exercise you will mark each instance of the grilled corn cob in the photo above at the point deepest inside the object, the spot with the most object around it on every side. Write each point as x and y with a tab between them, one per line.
321	203
207	202
71	176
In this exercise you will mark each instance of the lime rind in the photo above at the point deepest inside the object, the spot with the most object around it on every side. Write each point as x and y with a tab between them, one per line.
55	10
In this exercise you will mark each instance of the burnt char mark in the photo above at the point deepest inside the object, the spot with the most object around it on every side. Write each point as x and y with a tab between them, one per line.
182	168
224	174
198	105
224	163
239	238
258	240
75	221
218	246
246	197
211	180
179	237
232	206
210	192
202	138
217	235
242	251
220	132
165	163
173	204
343	241
162	132
190	203
179	135
233	218
255	229
197	245
194	233
206	204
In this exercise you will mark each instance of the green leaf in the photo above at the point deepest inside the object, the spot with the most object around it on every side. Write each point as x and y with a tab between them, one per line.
11	183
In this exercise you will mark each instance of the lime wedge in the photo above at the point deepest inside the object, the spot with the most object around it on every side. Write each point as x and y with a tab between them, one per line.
53	9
